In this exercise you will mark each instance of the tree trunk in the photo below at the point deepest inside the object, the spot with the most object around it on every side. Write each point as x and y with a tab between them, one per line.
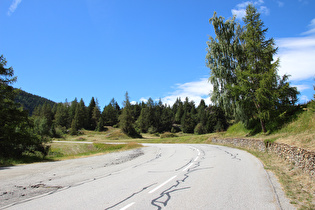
263	126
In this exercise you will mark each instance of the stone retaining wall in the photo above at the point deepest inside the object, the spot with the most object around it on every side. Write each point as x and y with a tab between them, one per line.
302	158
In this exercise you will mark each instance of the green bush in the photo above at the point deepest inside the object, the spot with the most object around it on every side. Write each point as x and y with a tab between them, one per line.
200	129
168	135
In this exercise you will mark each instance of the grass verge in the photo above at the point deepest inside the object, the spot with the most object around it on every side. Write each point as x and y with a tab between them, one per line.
298	186
62	151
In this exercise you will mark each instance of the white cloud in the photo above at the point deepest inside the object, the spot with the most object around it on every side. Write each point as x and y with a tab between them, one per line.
240	10
143	100
312	28
280	3
304	99
239	13
297	55
301	87
13	6
195	91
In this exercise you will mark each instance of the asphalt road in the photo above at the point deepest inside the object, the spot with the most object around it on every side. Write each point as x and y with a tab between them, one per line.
158	176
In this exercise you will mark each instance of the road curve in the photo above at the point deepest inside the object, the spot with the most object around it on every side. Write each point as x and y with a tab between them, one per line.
158	176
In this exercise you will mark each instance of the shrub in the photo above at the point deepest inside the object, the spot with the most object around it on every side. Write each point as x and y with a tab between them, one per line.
168	135
200	129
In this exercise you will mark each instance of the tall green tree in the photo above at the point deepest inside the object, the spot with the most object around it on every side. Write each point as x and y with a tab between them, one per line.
16	129
96	115
62	115
223	55
244	73
72	109
110	113
126	120
91	124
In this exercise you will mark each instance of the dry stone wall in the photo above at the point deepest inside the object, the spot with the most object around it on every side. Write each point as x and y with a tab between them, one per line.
302	158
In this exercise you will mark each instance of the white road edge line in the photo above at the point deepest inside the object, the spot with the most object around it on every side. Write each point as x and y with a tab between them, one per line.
129	205
161	185
187	167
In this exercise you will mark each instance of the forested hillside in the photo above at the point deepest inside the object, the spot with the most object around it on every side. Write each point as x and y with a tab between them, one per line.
30	101
133	119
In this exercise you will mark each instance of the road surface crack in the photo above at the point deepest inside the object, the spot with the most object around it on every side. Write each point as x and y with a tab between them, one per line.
133	194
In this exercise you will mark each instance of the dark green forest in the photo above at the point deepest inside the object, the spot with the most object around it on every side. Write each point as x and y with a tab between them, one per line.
150	117
30	101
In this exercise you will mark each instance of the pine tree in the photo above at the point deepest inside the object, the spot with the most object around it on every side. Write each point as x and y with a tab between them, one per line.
91	124
95	117
72	110
16	133
100	124
179	113
110	113
61	116
143	121
126	120
82	115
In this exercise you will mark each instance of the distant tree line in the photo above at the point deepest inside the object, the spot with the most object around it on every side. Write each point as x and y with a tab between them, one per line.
30	101
133	119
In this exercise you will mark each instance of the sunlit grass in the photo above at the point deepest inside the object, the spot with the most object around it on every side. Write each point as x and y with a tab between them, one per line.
70	150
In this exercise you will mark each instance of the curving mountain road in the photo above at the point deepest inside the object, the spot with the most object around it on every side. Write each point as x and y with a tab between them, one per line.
158	176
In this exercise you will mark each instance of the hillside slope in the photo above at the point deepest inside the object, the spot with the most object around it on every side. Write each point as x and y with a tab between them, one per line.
30	101
300	132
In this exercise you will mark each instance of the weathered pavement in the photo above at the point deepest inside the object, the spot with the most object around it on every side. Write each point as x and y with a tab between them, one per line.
159	176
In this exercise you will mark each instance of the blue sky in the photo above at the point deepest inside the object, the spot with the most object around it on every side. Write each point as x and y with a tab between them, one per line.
62	49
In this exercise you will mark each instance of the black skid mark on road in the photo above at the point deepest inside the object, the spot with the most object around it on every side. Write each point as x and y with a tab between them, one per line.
200	169
153	159
133	194
234	156
184	165
165	196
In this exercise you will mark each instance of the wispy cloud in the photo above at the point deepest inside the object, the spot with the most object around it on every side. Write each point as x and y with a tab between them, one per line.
304	99
195	91
13	6
297	55
302	87
312	28
240	10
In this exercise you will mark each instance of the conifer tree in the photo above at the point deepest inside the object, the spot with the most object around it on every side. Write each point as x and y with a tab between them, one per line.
110	113
82	115
61	115
72	110
243	72
100	124
91	124
179	113
16	129
126	120
95	118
